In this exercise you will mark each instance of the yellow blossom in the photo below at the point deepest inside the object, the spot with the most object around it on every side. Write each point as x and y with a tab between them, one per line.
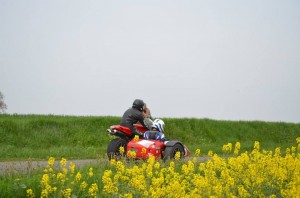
177	155
234	176
122	150
136	138
83	185
60	176
78	176
143	150
72	167
93	190
131	154
113	162
45	179
63	162
197	152
128	195
51	161
90	172
30	193
44	193
256	145
67	192
237	148
157	165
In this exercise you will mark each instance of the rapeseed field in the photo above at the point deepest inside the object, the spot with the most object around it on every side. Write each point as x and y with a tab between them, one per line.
258	173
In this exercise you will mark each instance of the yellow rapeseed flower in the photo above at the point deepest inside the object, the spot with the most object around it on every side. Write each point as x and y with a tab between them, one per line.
51	161
143	150
60	176
54	189
242	191
210	153
67	192
45	179
108	186
293	149
72	167
227	148
128	195
157	165
120	166
112	162
197	152
30	193
185	169
256	145
131	154
237	148
136	138
234	176
122	150
177	155
151	160
230	146
64	170
90	172
195	160
78	176
63	162
44	193
93	190
83	185
277	152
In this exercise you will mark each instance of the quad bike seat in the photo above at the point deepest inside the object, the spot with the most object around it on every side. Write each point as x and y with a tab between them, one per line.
118	128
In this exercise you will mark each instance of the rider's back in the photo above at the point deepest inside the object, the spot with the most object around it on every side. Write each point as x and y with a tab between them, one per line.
130	117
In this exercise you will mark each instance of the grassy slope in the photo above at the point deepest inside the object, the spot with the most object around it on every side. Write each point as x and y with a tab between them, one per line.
42	136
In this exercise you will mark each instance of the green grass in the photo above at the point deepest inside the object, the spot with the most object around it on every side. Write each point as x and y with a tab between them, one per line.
37	137
24	137
15	185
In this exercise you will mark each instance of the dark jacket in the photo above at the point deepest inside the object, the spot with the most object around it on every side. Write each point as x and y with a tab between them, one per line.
132	116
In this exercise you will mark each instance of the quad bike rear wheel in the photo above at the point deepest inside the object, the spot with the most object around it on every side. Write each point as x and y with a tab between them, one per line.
113	149
171	151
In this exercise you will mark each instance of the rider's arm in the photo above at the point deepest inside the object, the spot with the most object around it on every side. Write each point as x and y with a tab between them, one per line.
140	119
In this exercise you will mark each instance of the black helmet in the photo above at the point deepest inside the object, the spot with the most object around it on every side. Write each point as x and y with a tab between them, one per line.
138	104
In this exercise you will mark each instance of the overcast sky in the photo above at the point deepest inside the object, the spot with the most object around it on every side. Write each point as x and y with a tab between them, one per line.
225	60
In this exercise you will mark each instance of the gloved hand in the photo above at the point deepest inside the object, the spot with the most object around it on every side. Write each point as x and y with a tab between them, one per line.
148	122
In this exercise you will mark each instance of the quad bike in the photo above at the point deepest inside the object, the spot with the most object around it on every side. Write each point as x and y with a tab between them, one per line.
143	148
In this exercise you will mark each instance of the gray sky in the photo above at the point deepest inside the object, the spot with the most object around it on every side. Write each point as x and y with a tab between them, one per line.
227	60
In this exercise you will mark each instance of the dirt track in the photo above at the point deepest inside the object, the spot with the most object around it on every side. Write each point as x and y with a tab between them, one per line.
27	167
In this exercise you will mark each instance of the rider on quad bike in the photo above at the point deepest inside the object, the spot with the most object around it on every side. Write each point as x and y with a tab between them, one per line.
137	113
152	143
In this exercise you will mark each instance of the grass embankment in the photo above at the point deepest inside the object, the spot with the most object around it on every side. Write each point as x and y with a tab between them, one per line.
24	137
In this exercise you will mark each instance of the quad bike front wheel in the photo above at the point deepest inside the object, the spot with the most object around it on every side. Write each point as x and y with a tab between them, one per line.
171	151
113	149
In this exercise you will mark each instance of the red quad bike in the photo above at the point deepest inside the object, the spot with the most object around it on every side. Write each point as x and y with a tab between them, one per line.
143	148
